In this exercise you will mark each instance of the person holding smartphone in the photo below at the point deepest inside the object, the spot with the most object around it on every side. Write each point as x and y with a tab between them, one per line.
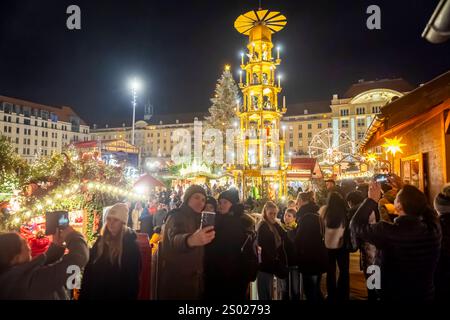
410	246
44	277
181	273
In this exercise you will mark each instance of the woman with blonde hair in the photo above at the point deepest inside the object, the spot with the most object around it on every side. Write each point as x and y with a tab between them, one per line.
273	261
114	265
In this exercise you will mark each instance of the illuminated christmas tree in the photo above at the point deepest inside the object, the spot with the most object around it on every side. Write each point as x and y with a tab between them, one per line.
223	108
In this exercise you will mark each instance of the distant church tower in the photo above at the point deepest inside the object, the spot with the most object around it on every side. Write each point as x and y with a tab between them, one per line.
148	111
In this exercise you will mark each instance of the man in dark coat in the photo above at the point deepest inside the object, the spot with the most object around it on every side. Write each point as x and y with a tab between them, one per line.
312	254
333	187
306	204
227	274
181	263
410	246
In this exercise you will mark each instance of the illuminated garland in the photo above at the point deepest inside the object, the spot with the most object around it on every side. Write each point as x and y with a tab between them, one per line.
52	203
367	174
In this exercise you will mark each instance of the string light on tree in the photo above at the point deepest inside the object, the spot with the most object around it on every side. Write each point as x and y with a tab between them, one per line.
52	203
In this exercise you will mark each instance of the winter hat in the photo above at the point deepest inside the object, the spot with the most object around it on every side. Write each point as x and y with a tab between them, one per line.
442	200
213	201
191	191
118	211
231	195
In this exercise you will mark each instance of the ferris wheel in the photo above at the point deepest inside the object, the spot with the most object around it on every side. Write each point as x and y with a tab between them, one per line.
329	149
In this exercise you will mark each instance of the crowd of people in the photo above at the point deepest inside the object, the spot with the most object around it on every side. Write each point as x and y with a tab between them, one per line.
295	244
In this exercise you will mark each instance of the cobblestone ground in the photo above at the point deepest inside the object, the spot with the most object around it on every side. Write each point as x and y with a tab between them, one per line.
357	282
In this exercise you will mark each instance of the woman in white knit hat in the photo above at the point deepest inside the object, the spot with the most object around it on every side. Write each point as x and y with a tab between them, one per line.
114	265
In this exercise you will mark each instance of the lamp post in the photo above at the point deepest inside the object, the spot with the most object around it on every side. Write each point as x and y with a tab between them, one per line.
134	87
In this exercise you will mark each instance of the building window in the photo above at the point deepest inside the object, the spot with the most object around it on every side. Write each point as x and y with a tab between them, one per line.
291	144
360	135
35	142
17	130
360	110
309	126
300	135
309	135
17	140
299	127
361	122
344	112
319	126
376	109
344	124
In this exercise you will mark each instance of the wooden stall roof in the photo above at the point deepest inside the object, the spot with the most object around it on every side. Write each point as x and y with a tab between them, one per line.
403	111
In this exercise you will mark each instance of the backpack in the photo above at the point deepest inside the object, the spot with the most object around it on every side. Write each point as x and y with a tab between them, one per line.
249	256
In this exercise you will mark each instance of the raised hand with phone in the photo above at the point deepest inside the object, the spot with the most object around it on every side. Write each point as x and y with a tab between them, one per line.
201	237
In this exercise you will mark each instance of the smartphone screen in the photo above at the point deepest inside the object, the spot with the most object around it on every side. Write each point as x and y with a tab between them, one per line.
63	220
208	219
55	220
381	178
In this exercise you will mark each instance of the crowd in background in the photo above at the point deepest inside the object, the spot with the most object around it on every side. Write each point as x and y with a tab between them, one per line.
295	244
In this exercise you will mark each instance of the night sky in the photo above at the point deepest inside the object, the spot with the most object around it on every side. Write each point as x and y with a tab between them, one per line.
179	49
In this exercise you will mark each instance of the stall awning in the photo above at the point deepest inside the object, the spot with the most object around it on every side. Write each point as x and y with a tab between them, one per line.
150	181
304	168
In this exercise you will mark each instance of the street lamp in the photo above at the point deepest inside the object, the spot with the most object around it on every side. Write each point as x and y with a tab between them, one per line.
135	85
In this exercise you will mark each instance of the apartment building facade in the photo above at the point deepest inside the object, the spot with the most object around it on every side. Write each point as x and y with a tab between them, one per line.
152	137
39	130
349	115
346	117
